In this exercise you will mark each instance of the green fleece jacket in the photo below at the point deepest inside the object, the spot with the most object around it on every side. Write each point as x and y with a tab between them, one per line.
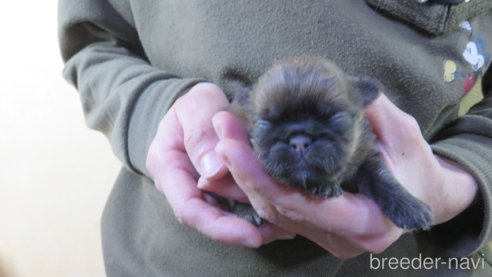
129	59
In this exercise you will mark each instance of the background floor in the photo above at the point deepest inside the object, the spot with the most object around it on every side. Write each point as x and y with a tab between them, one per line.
55	173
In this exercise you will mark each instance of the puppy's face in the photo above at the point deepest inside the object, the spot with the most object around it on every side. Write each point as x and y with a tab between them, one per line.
307	122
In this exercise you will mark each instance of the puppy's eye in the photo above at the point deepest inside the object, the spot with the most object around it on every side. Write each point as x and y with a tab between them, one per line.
340	121
263	124
340	117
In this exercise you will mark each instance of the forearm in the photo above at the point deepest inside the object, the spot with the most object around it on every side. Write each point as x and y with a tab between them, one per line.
122	95
466	145
469	230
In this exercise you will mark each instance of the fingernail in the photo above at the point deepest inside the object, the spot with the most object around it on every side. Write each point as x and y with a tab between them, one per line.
218	128
287	236
252	243
201	183
210	164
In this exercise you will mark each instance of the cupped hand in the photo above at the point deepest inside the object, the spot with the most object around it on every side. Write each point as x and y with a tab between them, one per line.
181	158
440	183
351	224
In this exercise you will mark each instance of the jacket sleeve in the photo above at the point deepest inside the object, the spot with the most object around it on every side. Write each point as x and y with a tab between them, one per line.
122	95
468	141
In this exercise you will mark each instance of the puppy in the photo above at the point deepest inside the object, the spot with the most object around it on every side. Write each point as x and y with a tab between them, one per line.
305	118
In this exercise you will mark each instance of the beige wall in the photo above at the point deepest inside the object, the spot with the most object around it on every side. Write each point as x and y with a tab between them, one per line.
55	174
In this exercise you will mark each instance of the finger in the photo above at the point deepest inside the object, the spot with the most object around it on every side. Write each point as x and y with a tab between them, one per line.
271	232
352	242
191	208
176	177
225	187
194	112
338	247
358	220
348	212
377	243
390	124
268	231
247	169
266	195
217	225
228	126
354	215
169	142
383	112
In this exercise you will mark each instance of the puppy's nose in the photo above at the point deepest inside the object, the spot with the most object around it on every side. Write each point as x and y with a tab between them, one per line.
300	143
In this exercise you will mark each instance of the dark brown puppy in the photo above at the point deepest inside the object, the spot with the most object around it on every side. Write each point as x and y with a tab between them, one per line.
305	118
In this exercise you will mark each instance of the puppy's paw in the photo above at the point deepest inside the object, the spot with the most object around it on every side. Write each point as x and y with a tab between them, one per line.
246	212
403	209
408	212
241	210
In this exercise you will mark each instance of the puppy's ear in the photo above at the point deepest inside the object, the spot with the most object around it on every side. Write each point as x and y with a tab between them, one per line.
367	89
241	107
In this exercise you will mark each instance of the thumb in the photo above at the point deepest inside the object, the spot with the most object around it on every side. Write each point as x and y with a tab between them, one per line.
390	124
194	112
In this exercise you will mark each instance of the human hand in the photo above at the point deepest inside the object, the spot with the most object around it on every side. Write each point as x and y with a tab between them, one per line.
350	224
440	183
182	155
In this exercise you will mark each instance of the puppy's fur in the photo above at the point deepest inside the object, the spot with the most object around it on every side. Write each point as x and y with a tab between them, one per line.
305	118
